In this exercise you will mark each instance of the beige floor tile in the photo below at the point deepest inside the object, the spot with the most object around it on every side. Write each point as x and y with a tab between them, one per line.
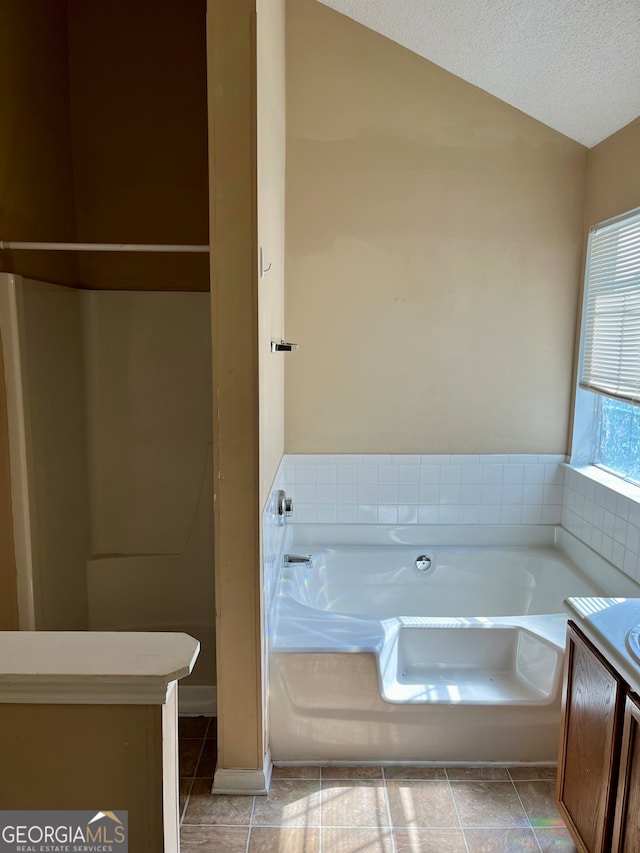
412	772
412	840
421	804
189	752
296	772
355	803
267	839
538	799
501	841
486	774
213	839
363	772
208	759
488	804
294	802
526	774
193	727
207	808
555	840
356	841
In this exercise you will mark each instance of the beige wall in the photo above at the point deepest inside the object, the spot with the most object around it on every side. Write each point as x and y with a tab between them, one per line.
246	156
137	168
36	176
104	116
36	188
231	55
8	586
433	251
149	435
148	417
139	149
613	176
83	756
139	122
54	404
271	178
271	142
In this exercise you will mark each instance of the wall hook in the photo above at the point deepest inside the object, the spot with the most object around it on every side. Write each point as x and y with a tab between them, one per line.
263	270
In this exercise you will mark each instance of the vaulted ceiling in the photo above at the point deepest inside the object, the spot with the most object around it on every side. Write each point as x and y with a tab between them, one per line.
572	64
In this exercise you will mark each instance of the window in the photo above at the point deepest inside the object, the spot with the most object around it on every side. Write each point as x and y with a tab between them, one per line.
610	347
618	446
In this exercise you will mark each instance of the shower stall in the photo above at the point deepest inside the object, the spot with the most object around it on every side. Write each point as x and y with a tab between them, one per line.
110	433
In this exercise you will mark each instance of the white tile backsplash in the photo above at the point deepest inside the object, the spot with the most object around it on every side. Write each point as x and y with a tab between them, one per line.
408	513
449	494
346	473
513	473
451	474
429	473
367	473
388	493
470	493
427	489
388	513
409	474
347	493
388	473
326	493
409	493
604	512
326	473
471	474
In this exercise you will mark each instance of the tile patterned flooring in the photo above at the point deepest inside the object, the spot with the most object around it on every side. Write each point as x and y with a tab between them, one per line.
368	809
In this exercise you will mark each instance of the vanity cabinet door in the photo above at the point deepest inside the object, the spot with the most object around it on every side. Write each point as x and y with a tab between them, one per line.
592	713
626	832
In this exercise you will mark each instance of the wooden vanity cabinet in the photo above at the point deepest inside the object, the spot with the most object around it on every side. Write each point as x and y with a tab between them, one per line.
626	828
592	716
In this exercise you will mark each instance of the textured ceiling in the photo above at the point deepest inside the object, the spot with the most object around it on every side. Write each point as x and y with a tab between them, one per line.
572	64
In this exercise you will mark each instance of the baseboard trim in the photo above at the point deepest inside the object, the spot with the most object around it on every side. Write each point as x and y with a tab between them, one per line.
243	782
194	700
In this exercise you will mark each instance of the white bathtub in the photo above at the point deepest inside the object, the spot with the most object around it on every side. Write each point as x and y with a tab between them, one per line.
382	581
371	659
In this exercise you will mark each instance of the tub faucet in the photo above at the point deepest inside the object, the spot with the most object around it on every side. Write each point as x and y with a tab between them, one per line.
297	560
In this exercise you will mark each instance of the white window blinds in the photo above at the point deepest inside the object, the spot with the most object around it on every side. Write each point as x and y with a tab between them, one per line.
611	320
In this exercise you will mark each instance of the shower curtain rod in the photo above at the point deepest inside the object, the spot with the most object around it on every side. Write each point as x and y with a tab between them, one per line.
100	247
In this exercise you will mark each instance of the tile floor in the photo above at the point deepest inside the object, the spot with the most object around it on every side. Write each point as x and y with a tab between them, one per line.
368	809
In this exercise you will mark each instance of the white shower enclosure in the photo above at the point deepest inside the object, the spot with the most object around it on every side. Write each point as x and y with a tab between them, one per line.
110	434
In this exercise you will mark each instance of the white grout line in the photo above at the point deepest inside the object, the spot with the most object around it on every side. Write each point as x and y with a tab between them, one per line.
531	827
386	799
320	833
192	777
455	806
204	742
183	811
253	806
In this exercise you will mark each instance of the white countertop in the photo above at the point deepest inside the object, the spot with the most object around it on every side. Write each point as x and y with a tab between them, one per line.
91	667
607	622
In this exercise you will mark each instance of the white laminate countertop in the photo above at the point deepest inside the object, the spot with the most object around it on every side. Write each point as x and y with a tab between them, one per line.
93	666
607	622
